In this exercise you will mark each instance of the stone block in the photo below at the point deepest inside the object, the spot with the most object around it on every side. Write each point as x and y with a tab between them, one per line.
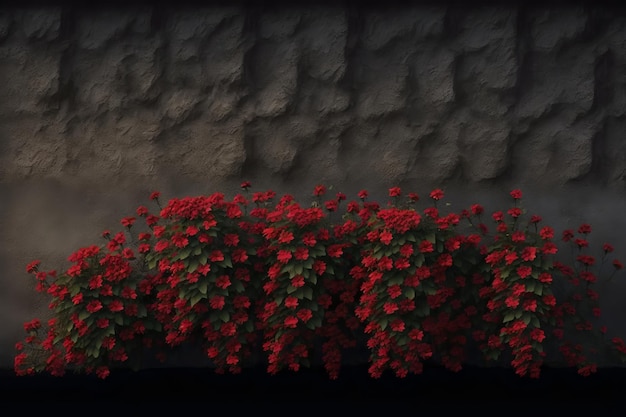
223	61
274	77
323	43
434	72
40	24
95	29
484	148
563	79
381	83
29	79
486	26
278	25
417	24
550	28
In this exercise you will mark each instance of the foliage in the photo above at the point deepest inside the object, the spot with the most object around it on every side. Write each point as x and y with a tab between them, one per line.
298	283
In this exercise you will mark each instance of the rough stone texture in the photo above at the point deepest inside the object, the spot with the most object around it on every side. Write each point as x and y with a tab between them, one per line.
99	107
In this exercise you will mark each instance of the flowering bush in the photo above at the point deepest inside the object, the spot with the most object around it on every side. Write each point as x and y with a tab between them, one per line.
299	284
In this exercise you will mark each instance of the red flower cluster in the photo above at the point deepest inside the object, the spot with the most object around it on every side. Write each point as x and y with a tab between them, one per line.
232	276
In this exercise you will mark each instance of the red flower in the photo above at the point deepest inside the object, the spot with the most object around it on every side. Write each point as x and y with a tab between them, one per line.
426	247
155	195
518	236
394	291
32	267
529	253
607	248
397	325
477	209
515	212
291	322
128	221
331	205
245	185
516	194
545	278
94	306
301	254
395	192
297	281
535	219
283	256
436	194
217	302
386	237
617	264
524	271
363	194
567	235
102	372
319	190
414	197
584	229
390	308
537	334
77	299
291	302
116	305
222	282
497	216
305	315
285	236
216	256
32	325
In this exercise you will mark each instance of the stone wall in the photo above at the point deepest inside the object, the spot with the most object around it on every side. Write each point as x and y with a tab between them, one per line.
98	107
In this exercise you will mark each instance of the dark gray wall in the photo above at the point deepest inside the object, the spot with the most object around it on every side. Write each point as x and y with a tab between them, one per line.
100	107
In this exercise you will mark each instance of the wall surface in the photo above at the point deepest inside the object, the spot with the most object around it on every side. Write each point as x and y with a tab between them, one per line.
98	107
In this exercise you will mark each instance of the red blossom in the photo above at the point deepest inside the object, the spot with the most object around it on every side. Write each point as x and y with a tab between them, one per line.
516	194
319	190
128	221
395	192
436	194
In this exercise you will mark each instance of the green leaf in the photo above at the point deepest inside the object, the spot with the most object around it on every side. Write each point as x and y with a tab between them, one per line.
152	263
197	251
307	293
509	316
119	319
83	315
409	293
195	299
203	287
193	265
291	289
431	238
383	323
224	316
297	268
203	259
184	254
227	262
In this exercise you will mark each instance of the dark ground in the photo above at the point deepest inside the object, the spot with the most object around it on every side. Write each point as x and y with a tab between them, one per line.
491	391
